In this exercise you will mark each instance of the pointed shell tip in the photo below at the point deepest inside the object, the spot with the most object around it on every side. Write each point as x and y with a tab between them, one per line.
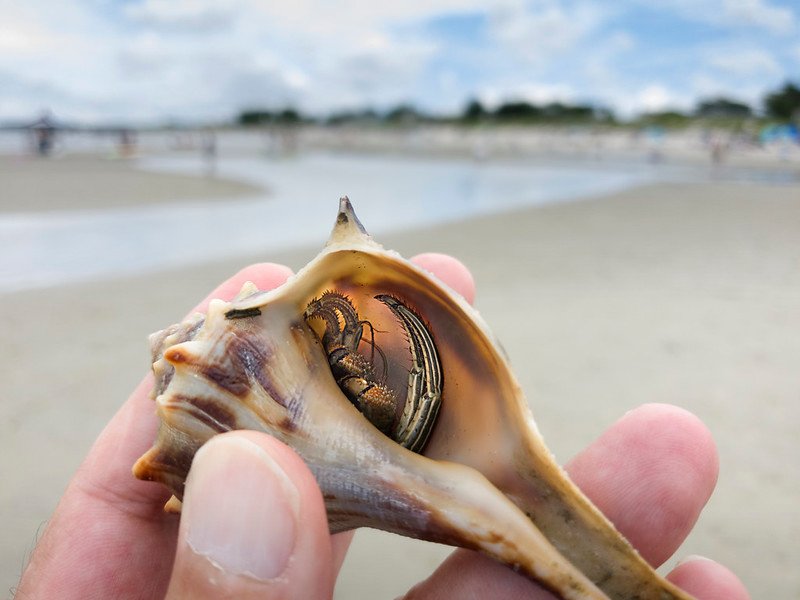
347	223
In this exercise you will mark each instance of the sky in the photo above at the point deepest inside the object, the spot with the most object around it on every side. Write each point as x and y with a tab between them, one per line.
157	61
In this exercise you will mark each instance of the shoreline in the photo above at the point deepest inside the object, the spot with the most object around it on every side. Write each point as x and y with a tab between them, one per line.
96	240
697	145
675	292
86	237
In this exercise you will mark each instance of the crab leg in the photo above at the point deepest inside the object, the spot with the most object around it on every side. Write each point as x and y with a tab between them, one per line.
424	379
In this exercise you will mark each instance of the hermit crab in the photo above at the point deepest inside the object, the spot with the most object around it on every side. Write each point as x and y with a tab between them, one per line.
395	393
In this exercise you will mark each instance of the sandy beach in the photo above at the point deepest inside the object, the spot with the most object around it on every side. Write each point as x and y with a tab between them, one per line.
681	293
79	181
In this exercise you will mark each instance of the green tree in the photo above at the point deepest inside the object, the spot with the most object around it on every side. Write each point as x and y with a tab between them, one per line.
517	111
723	107
665	118
567	112
404	114
783	104
474	111
289	116
255	117
260	116
343	117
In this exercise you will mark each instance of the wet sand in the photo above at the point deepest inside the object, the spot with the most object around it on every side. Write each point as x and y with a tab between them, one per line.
32	184
681	293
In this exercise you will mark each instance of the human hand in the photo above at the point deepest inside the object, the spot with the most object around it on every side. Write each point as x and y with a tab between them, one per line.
254	526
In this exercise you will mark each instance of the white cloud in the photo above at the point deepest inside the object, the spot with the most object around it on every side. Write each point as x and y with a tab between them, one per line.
743	14
563	52
745	62
22	38
741	71
603	68
544	93
759	13
536	93
145	54
707	86
654	96
60	65
197	15
372	73
544	29
321	17
25	33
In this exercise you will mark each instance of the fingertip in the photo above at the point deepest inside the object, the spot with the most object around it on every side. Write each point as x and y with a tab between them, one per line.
706	579
265	276
650	473
450	270
253	524
683	432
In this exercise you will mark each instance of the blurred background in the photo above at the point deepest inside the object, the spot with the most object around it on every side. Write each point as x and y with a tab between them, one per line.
623	179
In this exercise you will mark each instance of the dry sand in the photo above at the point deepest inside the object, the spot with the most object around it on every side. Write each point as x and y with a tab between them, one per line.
679	293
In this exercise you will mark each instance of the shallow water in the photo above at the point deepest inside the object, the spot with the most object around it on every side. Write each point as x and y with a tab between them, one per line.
389	193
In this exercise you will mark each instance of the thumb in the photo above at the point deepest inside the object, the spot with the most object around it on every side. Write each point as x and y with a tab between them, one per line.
253	524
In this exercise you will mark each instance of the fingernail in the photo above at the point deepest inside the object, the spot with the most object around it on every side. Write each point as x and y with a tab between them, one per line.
692	558
240	509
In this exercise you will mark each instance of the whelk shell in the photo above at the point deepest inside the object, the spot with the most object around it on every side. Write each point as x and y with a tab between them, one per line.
484	480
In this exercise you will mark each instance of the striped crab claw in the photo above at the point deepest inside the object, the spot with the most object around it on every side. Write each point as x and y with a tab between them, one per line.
395	393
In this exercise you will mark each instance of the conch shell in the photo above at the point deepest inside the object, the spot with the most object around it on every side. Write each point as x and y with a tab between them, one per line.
484	479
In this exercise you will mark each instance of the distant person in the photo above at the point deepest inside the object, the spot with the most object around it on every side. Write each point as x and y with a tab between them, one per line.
209	151
127	143
44	133
654	137
717	151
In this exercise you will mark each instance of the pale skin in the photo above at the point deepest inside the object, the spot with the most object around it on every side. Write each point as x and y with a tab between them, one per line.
110	538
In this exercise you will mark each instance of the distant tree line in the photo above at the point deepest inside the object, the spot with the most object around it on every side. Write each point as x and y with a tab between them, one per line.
286	116
780	105
526	112
404	114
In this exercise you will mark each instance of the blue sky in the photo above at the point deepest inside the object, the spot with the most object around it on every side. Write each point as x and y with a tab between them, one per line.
157	60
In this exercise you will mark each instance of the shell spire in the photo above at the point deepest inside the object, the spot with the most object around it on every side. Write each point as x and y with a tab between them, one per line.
348	227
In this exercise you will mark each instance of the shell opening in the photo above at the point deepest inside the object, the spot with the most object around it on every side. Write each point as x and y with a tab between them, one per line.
356	377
